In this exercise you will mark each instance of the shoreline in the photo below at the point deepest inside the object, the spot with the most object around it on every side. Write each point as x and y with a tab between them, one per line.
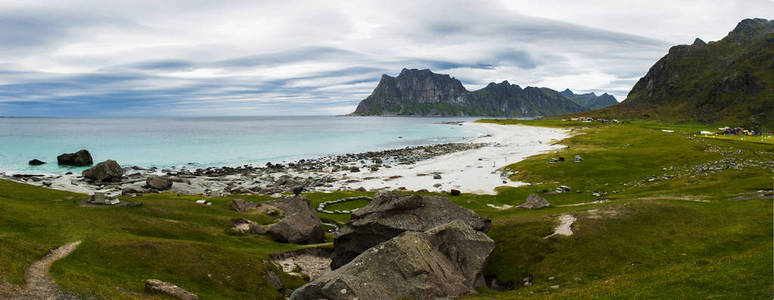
474	166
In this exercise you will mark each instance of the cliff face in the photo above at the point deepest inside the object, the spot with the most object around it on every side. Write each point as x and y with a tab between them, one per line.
424	93
728	81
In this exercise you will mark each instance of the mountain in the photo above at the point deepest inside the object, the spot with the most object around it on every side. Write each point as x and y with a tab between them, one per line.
730	81
590	100
424	93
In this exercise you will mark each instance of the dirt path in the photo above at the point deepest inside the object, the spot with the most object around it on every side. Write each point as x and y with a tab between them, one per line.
40	285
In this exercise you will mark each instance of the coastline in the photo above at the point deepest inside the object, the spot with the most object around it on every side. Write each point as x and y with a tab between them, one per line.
474	166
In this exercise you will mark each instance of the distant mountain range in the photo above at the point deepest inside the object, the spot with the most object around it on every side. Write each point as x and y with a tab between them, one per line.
590	100
730	81
424	93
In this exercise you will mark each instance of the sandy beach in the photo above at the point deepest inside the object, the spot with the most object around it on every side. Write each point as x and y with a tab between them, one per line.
477	171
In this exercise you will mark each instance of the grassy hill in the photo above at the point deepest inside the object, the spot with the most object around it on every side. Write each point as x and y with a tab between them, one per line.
677	216
729	81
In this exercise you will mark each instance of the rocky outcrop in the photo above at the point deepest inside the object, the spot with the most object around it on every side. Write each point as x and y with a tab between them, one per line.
535	202
108	170
444	261
36	162
299	223
158	182
158	286
390	214
81	158
422	92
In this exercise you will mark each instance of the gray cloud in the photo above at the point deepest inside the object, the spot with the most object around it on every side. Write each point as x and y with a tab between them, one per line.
291	57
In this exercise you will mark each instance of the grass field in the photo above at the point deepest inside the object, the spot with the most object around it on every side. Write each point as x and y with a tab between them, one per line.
674	223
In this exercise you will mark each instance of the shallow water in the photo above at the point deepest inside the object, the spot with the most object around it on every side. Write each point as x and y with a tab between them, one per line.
199	142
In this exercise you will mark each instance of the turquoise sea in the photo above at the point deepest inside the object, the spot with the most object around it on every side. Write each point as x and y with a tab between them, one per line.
216	141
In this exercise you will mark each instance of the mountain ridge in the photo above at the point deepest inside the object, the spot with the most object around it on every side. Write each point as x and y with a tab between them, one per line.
416	92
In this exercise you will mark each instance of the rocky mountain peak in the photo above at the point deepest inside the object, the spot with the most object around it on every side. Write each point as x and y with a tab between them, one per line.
752	27
422	92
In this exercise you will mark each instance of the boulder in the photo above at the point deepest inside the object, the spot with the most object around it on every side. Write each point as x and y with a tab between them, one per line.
105	171
301	225
240	225
158	286
36	162
158	182
534	202
243	206
78	159
390	214
442	262
133	190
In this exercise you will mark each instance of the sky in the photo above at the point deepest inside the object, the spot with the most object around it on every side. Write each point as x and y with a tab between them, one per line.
221	58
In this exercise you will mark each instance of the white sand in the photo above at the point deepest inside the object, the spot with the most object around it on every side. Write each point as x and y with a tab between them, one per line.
476	171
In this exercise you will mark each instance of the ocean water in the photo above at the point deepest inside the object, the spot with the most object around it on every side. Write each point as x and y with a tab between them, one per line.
202	142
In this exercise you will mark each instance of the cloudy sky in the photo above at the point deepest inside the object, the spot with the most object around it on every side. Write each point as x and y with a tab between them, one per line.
193	58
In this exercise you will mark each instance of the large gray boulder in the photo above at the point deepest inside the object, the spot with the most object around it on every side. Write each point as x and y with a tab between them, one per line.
158	286
81	158
158	182
445	261
390	214
105	171
535	202
299	223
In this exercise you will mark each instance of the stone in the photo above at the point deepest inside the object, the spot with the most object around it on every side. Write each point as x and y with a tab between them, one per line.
442	262
108	170
354	169
563	189
437	176
241	225
390	214
298	190
301	225
36	162
81	158
535	202
454	192
578	158
158	182
133	190
243	206
158	286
